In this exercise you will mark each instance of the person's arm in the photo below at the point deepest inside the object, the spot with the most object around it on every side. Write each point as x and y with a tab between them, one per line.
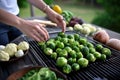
55	17
9	18
30	28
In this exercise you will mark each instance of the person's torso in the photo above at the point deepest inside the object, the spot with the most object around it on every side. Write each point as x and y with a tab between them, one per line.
9	6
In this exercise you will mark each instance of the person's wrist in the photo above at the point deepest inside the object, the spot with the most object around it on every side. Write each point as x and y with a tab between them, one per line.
19	23
45	8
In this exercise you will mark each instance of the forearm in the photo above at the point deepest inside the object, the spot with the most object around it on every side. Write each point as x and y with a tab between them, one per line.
10	19
52	15
32	29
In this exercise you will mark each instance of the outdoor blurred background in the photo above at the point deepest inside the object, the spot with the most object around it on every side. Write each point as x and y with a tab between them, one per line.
104	13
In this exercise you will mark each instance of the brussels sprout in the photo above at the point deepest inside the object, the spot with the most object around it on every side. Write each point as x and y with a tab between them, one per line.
83	41
75	66
74	43
91	57
92	50
51	40
99	47
45	73
58	38
70	37
51	45
106	51
71	60
67	69
64	40
70	41
83	62
48	51
60	45
61	61
42	45
68	49
79	55
58	50
62	34
63	53
76	48
103	57
85	51
80	47
89	45
97	55
54	55
72	54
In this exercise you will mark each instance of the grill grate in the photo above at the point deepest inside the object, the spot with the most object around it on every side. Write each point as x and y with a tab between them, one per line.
104	70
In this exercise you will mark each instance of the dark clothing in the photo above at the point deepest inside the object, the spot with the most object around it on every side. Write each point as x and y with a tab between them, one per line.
8	33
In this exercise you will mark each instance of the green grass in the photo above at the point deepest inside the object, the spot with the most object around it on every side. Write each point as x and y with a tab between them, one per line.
25	12
85	12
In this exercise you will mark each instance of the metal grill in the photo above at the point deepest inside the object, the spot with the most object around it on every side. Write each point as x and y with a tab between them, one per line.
102	70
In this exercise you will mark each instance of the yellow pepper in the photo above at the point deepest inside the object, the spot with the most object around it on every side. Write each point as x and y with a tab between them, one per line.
57	8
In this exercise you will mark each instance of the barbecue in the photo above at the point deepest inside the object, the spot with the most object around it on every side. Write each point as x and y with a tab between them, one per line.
100	70
106	70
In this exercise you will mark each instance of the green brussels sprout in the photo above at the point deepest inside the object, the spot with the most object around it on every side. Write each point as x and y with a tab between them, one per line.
79	55
60	45
106	51
103	57
61	61
48	51
85	51
72	54
75	66
83	62
97	55
71	60
99	47
67	69
54	55
91	57
63	53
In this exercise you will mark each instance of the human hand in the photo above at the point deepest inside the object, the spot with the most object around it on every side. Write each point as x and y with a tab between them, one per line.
34	30
57	18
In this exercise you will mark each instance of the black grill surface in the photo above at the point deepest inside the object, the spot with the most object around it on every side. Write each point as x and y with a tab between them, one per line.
102	70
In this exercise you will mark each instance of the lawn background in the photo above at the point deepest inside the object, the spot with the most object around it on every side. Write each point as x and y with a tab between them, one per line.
80	10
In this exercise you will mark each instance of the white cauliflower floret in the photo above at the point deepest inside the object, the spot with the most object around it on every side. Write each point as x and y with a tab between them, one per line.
78	27
23	45
4	56
11	49
19	53
2	47
86	31
91	27
70	28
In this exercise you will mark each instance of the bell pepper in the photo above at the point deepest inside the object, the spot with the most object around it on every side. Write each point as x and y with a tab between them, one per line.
57	8
67	15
